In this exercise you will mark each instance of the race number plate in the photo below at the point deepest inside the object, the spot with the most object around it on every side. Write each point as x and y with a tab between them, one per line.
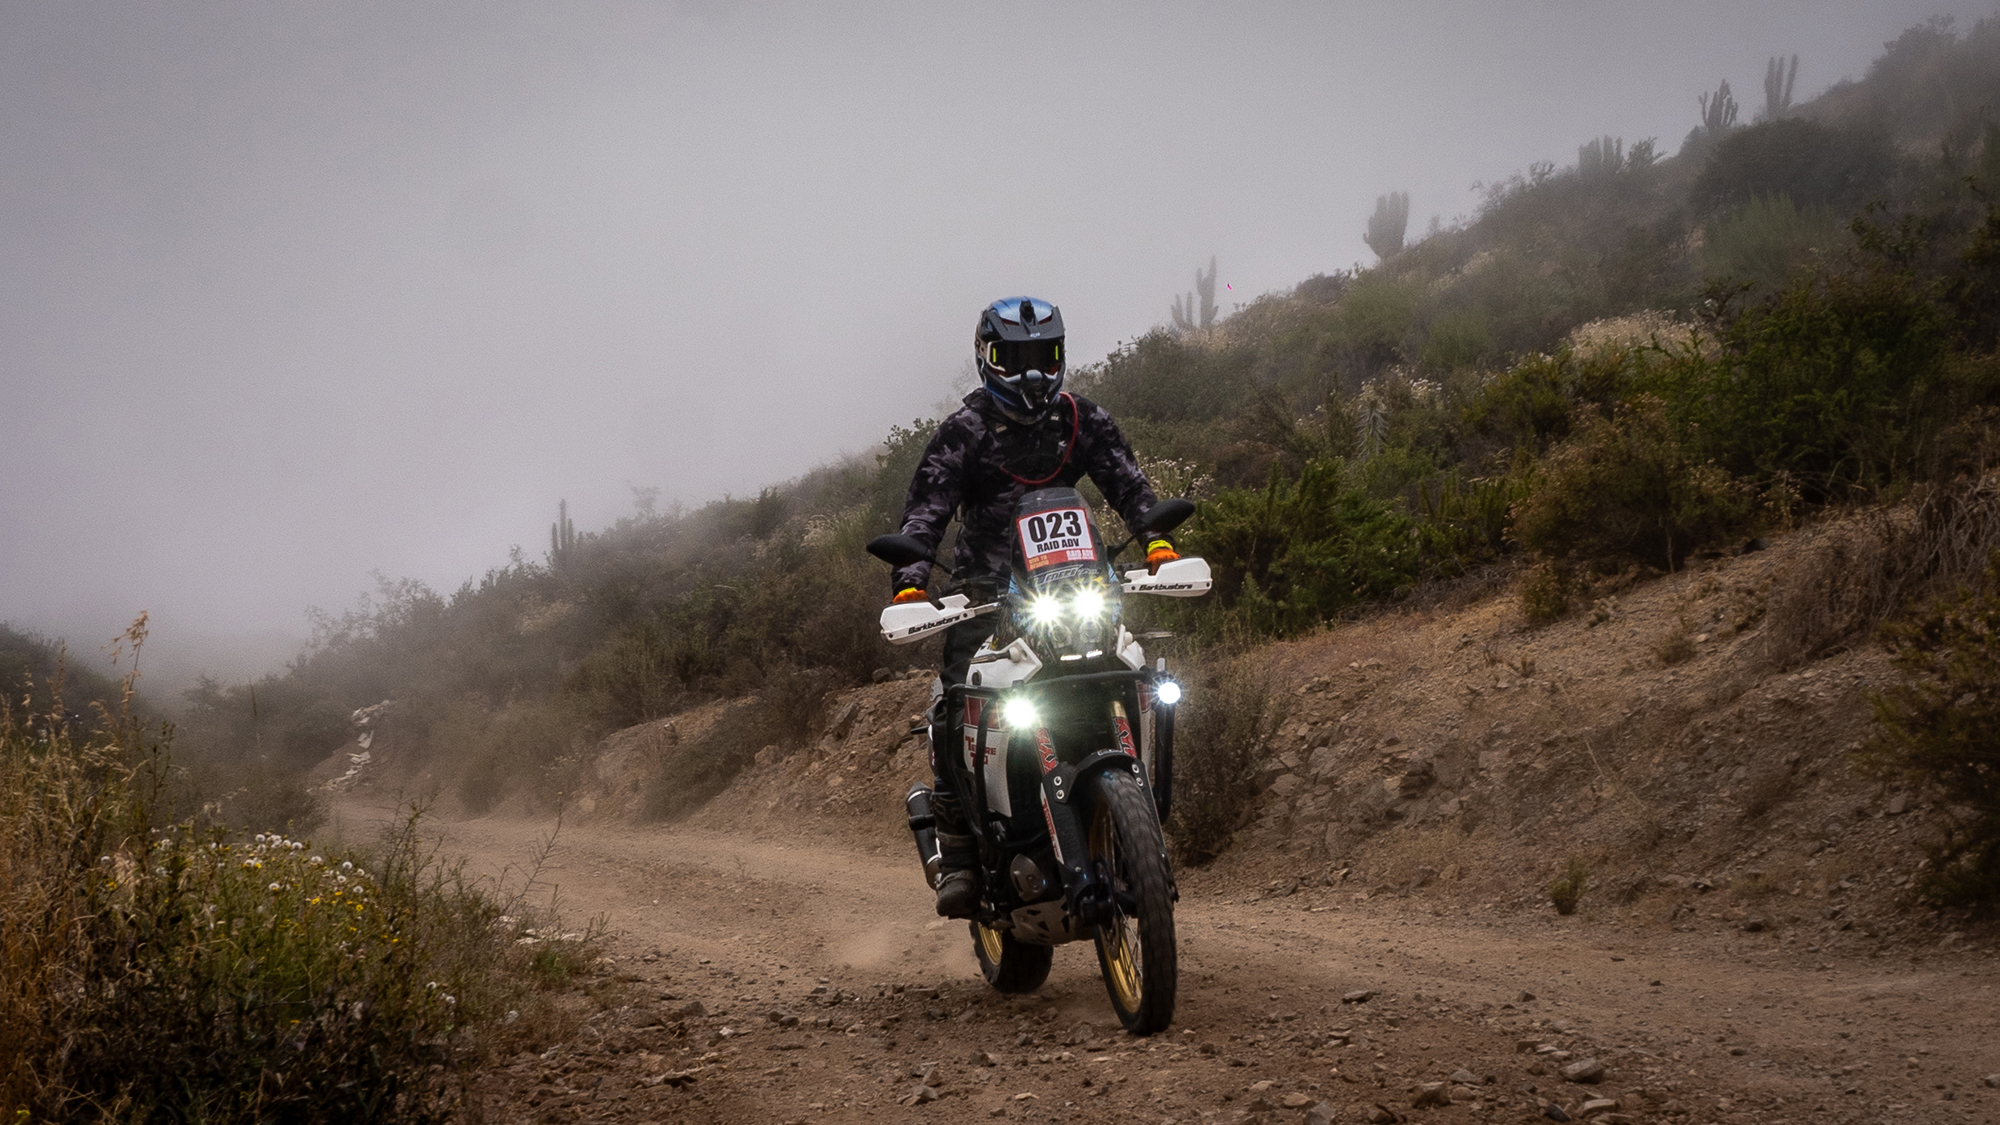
1054	537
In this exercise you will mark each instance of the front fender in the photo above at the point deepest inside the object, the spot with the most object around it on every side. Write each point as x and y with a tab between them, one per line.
1096	763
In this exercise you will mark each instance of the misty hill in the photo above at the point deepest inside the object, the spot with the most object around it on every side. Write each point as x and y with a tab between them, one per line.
1613	370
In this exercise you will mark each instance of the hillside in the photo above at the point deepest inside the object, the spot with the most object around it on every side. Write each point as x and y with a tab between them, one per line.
1461	756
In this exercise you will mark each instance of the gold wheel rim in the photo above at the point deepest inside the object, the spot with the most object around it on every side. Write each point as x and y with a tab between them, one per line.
989	943
1116	941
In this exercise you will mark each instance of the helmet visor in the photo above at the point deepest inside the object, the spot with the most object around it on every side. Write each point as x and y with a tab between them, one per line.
1016	357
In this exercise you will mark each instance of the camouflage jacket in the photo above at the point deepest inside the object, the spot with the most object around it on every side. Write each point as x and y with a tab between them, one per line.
979	464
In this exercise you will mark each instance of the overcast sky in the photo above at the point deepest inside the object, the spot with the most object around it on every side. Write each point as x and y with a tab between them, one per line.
290	293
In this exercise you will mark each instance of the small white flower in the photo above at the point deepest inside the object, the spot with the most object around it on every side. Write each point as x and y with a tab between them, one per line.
260	836
434	984
348	864
450	999
316	859
277	886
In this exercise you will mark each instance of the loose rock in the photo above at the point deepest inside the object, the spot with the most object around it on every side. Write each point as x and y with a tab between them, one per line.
1359	996
1587	1071
1321	1114
1431	1094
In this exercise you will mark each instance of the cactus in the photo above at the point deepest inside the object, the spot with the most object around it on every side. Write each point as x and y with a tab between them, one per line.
1718	111
1778	88
1601	157
1387	225
1188	318
562	533
1371	423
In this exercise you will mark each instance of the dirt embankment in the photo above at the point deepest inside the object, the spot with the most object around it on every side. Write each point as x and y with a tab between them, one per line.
1744	952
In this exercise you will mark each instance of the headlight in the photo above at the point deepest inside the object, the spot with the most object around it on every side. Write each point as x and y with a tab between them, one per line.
1020	714
1167	692
1089	604
1044	610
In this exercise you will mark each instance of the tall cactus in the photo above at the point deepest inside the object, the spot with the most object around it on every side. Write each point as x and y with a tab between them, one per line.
1718	111
1603	156
1778	88
562	533
1189	317
1388	224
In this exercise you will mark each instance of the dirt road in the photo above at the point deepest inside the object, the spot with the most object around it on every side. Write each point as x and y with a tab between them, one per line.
1319	996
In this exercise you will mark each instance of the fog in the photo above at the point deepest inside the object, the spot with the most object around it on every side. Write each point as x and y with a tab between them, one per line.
294	293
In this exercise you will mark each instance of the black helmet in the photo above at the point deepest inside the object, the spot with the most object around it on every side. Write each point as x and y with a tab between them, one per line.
1020	349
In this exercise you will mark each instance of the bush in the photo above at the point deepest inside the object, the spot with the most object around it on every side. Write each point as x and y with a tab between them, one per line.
1938	727
1627	489
1566	891
1546	591
1766	240
165	970
1811	164
1291	555
1219	737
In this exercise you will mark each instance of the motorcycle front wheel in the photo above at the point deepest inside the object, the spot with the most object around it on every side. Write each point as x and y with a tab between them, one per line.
1009	965
1135	948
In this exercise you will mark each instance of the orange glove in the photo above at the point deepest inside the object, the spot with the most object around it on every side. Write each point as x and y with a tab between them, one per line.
1157	552
910	595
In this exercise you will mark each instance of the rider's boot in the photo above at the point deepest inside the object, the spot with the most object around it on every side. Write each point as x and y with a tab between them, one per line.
958	885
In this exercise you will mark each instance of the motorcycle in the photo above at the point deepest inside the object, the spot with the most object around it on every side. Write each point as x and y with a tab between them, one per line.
1061	752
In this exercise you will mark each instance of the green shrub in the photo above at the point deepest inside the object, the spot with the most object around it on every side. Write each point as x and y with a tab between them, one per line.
1534	404
1938	727
1566	890
1294	553
1834	381
1812	164
1627	489
1766	240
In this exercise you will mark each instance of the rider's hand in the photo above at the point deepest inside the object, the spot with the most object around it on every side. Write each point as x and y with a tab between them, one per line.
1157	552
912	594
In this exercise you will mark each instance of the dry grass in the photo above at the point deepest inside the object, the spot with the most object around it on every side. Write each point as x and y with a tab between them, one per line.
1866	567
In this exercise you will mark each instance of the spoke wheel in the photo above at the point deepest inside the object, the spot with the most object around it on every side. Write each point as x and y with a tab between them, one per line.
1009	965
1135	948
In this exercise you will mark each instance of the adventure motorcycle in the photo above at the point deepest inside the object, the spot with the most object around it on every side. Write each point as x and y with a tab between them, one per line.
1061	751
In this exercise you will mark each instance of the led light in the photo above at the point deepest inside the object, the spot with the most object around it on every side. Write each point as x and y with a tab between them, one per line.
1089	604
1044	610
1167	692
1020	714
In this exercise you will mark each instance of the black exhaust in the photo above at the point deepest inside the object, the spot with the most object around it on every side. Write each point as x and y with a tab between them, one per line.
923	825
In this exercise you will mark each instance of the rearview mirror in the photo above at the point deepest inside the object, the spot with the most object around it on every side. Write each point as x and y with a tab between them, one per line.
1165	515
898	550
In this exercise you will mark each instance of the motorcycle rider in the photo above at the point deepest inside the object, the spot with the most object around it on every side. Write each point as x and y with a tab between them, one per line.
1017	432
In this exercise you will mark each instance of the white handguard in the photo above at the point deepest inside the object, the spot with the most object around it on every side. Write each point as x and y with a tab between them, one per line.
908	621
1181	578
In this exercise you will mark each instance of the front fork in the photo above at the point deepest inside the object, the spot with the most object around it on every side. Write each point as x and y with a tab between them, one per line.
1089	890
